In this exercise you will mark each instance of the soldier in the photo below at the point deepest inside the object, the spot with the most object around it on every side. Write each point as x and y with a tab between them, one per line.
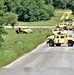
40	30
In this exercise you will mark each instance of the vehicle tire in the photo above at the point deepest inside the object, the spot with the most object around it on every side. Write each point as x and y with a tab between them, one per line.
65	28
17	31
70	29
51	43
58	44
70	43
59	33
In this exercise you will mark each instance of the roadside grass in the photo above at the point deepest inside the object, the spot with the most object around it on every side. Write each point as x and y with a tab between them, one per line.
54	20
16	45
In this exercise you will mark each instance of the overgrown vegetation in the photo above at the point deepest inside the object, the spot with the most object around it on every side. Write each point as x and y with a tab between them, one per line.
34	10
10	18
16	45
54	20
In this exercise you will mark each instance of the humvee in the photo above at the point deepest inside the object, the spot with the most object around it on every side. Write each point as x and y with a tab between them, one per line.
59	30
62	25
24	30
60	39
66	25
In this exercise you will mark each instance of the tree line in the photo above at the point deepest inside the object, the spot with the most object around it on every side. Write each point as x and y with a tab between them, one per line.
34	10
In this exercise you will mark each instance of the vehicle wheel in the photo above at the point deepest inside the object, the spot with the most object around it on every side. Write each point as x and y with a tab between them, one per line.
65	28
51	43
70	43
59	32
70	29
17	31
58	44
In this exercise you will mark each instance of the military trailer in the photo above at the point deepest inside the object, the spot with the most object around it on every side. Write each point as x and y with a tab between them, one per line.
60	39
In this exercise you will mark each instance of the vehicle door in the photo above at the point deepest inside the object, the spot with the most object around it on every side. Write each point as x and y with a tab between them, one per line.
56	39
61	39
65	39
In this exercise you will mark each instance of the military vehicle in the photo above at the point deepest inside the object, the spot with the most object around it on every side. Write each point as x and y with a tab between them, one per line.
62	25
70	25
60	39
65	25
24	30
59	30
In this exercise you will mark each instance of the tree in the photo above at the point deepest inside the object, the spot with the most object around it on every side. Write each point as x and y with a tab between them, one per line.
48	1
63	4
2	31
72	6
35	10
10	18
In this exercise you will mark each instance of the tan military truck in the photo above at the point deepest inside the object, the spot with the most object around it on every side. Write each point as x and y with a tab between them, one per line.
65	25
59	31
62	25
60	39
24	30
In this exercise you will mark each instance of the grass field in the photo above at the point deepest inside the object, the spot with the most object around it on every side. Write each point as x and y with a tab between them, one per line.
16	45
54	20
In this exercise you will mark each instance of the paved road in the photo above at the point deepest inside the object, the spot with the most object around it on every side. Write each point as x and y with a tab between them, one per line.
44	60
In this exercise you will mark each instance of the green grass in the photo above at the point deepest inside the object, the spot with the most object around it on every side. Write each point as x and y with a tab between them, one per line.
54	20
16	45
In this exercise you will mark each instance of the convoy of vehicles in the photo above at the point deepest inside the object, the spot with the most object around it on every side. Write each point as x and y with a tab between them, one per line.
59	34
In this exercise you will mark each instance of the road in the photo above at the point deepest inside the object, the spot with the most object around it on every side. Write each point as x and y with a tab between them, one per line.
30	26
44	60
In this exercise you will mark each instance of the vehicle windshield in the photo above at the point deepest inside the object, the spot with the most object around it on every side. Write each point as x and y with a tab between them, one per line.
61	24
70	35
65	24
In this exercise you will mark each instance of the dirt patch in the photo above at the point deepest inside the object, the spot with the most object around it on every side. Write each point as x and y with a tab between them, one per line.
66	15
